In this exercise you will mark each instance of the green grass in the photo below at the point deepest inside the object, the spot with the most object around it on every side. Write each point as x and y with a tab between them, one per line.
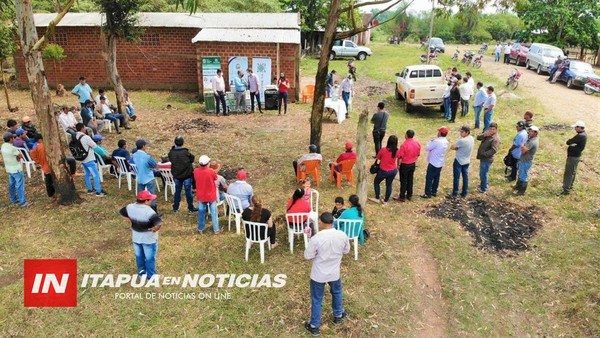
551	290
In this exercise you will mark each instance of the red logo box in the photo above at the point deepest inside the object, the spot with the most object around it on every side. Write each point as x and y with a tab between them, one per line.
50	282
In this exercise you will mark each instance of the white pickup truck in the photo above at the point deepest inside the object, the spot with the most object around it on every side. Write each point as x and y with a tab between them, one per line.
421	85
347	48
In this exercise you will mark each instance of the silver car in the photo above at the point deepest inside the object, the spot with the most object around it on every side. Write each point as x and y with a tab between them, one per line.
541	57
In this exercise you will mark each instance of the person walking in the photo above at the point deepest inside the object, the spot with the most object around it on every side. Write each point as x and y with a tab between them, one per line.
16	179
464	150
515	150
241	85
347	89
379	120
497	52
254	87
576	146
183	170
326	249
409	152
488	107
490	143
283	86
388	168
480	98
528	151
145	169
436	156
218	87
206	194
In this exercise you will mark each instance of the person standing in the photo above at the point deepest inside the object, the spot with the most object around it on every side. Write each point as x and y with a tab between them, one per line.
283	87
206	194
480	98
488	107
388	168
465	90
528	119
83	91
447	103
218	87
409	152
464	150
347	92
330	82
528	151
16	179
90	167
145	224
490	143
183	170
576	146
326	249
497	52
437	149
515	150
254	88
507	53
240	92
145	169
454	99
379	121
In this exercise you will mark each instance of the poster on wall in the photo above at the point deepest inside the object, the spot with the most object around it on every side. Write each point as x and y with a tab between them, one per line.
210	64
261	67
236	63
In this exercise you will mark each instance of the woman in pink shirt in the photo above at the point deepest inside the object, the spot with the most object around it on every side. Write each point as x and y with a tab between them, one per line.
388	168
283	85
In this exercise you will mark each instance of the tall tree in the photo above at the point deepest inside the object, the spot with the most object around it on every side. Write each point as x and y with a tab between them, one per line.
40	94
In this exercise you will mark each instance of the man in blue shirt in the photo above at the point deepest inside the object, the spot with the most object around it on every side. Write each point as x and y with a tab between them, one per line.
515	150
83	91
480	98
241	189
122	151
145	169
240	92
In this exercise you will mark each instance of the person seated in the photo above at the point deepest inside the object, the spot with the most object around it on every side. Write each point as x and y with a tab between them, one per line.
306	186
312	155
28	126
346	155
67	121
221	183
241	189
19	142
354	212
129	105
338	208
101	92
297	204
111	115
100	150
122	151
89	118
38	155
256	213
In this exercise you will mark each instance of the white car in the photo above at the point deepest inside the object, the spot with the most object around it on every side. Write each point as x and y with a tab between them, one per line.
347	48
421	85
541	57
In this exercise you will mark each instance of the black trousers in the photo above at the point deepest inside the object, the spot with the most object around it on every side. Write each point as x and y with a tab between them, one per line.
49	185
252	96
453	109
378	136
514	166
407	173
220	98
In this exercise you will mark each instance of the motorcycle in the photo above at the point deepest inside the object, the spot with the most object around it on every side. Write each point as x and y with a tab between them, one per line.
592	86
513	79
483	48
478	61
433	57
455	55
467	57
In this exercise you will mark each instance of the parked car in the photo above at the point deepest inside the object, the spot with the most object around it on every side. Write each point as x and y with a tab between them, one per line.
542	56
347	48
437	43
577	74
518	53
420	85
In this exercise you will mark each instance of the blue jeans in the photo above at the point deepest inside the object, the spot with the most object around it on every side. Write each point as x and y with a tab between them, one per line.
458	171
524	170
432	180
464	107
487	119
346	98
484	171
145	258
130	110
91	172
477	115
151	187
114	118
497	58
213	214
447	111
187	184
316	294
388	176
16	187
282	97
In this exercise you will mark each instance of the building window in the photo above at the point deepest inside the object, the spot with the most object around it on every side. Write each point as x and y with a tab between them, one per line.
150	40
60	39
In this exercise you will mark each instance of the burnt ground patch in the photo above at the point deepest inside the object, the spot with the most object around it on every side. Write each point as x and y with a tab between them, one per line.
553	127
495	226
198	124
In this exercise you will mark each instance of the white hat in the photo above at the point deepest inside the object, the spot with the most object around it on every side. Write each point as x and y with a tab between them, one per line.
204	160
534	128
578	124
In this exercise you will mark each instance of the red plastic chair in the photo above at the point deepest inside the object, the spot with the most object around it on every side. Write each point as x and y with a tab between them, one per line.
345	170
309	168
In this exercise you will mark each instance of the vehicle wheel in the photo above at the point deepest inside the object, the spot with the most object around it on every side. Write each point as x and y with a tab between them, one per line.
408	107
526	64
539	70
398	96
570	83
332	56
362	56
588	90
477	65
512	85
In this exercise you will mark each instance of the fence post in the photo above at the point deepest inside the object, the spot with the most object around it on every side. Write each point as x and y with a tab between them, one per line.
361	154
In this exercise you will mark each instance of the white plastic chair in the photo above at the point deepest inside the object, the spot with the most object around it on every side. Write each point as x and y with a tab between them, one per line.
352	228
314	208
26	161
296	222
102	166
107	124
255	232
124	171
134	170
169	182
235	210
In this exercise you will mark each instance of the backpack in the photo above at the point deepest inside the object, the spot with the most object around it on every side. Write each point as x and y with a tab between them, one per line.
77	149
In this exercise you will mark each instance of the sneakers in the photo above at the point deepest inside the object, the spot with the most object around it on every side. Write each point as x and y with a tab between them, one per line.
562	193
102	193
340	319
481	191
193	211
315	332
26	205
91	192
425	196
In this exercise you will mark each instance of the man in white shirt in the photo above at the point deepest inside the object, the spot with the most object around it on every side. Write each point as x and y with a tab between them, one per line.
312	155
488	108
254	88
117	119
436	149
101	92
507	53
464	150
497	53
326	250
218	87
67	121
465	90
89	162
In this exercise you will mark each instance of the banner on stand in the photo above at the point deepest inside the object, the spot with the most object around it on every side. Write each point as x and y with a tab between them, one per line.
261	67
236	63
210	64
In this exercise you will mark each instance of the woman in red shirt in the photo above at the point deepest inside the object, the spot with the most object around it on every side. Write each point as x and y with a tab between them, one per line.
283	86
298	204
388	168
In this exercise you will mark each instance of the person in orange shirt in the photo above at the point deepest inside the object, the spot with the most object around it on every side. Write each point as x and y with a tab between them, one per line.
38	155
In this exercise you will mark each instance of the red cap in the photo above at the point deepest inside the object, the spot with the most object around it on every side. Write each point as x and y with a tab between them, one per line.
145	195
349	145
242	174
443	130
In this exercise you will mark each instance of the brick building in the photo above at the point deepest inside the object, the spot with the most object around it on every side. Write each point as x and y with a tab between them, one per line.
169	54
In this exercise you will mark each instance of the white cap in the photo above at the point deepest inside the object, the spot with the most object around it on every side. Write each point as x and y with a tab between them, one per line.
204	160
534	128
578	124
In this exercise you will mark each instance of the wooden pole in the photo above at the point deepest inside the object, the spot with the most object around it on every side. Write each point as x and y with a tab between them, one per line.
278	70
361	154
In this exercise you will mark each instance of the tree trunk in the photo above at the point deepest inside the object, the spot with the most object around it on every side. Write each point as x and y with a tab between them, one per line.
361	157
40	93
5	86
109	54
316	115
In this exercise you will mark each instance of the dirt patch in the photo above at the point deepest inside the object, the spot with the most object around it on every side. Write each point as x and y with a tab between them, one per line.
496	226
554	127
198	124
375	90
